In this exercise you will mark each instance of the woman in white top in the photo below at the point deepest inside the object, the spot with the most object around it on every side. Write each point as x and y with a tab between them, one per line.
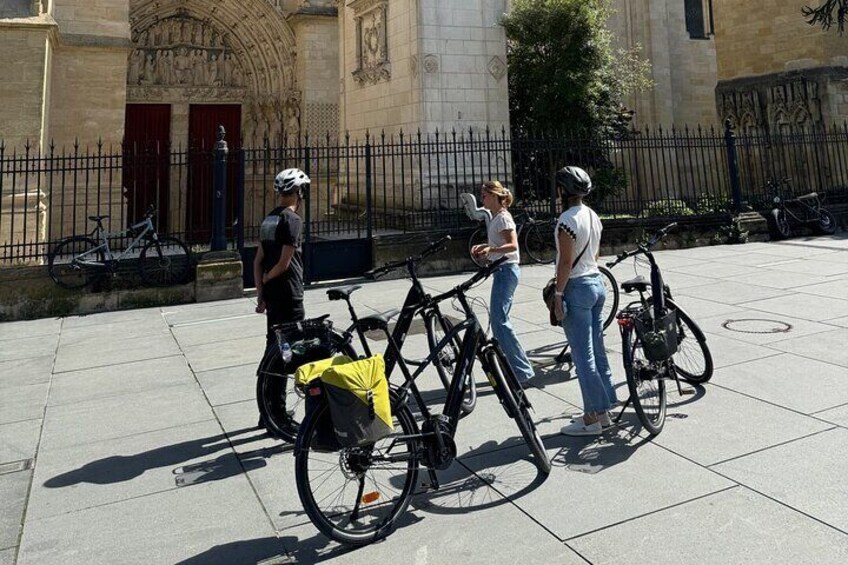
581	295
503	242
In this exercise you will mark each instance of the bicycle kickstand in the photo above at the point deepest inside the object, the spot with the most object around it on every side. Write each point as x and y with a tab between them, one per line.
564	356
620	414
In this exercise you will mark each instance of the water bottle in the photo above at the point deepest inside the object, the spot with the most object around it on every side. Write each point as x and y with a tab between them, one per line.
285	351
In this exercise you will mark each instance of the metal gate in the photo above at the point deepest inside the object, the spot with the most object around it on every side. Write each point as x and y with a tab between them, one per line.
337	210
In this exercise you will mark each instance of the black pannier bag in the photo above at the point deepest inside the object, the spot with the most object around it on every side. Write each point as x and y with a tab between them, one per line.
658	337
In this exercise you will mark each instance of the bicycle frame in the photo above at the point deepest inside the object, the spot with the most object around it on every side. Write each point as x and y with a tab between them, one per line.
98	232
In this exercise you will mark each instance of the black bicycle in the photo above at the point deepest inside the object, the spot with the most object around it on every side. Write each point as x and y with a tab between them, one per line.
281	408
355	495
660	341
803	210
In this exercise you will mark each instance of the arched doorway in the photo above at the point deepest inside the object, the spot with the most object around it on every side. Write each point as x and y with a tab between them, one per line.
229	62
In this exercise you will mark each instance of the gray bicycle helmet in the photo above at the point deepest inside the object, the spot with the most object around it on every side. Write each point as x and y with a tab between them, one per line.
574	180
290	181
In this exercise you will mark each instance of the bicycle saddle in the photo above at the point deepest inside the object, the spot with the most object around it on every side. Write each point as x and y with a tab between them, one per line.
810	196
640	283
378	321
342	292
98	218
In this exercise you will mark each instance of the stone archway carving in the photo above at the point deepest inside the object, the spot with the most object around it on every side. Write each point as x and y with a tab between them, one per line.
239	51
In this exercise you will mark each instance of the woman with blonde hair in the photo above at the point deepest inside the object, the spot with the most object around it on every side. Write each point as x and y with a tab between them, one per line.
503	242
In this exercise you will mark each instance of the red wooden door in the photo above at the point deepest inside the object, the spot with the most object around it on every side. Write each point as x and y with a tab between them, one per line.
147	140
204	120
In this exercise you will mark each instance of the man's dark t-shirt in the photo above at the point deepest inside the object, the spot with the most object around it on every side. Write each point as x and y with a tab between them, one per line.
282	227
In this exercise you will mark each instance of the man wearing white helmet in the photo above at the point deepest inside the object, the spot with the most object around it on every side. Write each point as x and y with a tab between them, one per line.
278	268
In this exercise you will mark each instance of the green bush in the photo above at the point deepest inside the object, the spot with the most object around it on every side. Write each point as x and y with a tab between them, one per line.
668	207
712	204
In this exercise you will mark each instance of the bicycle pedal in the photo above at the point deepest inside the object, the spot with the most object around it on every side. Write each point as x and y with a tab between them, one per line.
687	391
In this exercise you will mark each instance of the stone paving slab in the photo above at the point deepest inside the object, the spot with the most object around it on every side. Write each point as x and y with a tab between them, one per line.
28	347
19	440
714	429
803	385
119	379
70	479
103	419
735	293
205	523
828	346
229	353
18	403
821	267
22	372
30	328
731	526
576	498
127	350
7	556
229	384
837	415
802	306
13	493
818	490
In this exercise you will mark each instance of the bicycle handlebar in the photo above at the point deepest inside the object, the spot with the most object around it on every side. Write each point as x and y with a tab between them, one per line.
389	267
483	273
643	248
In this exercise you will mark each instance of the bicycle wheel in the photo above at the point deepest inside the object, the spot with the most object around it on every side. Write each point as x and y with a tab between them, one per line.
693	360
647	389
355	495
165	261
437	328
826	224
64	264
780	228
539	242
479	237
281	405
611	303
517	406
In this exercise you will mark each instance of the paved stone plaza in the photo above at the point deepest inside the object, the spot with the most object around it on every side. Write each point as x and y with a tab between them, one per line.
129	437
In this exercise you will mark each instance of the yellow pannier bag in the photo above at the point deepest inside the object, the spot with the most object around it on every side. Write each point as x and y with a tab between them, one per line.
358	395
308	372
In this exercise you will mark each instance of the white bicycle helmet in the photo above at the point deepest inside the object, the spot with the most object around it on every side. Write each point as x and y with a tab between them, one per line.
290	181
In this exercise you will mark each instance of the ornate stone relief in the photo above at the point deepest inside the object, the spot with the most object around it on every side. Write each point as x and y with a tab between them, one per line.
184	58
773	105
497	67
431	63
413	66
271	118
372	41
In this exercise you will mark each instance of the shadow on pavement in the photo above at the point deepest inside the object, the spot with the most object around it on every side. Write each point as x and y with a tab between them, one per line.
271	550
121	468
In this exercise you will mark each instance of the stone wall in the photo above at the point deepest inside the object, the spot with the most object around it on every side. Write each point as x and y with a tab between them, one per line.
25	67
683	68
761	37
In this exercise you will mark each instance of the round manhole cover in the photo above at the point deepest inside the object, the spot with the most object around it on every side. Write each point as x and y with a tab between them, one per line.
757	326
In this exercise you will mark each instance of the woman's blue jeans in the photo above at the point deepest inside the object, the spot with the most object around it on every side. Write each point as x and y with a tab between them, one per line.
503	288
584	299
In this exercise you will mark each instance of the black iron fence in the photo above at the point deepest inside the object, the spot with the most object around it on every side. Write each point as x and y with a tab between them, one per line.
387	184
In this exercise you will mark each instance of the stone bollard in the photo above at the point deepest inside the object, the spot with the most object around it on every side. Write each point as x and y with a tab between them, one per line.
219	276
755	224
